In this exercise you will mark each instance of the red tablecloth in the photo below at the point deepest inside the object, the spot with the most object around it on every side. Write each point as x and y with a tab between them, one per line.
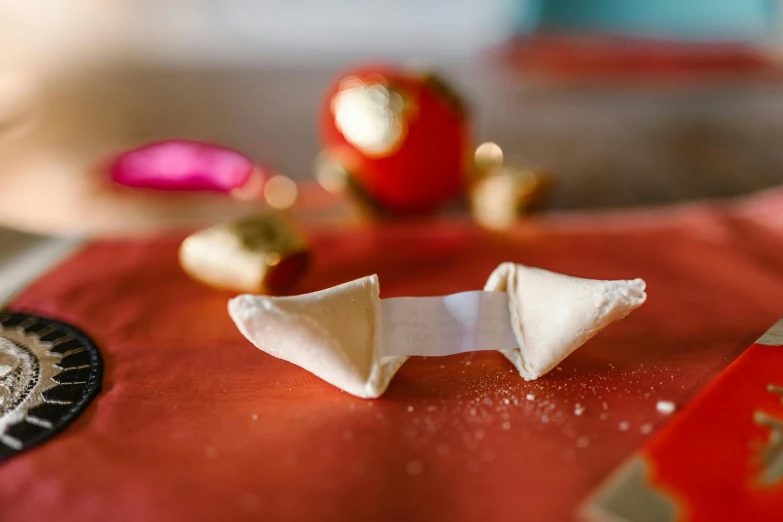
195	424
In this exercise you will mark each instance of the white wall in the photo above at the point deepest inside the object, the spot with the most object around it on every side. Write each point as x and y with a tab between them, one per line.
249	31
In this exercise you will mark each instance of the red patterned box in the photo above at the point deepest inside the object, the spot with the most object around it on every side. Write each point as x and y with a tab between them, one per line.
721	459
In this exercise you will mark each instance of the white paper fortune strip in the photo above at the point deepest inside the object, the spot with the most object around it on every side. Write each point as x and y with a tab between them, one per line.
354	340
433	326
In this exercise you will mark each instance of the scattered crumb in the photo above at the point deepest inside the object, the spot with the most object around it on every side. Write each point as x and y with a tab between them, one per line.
506	425
414	467
467	363
530	397
579	409
604	416
559	369
605	405
410	408
665	407
646	428
254	416
623	426
583	442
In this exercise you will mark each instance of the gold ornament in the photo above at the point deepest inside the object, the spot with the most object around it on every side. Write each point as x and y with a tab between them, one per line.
501	193
371	116
488	156
259	254
330	174
280	192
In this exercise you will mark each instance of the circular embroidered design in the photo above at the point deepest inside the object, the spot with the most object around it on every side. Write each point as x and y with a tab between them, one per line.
49	373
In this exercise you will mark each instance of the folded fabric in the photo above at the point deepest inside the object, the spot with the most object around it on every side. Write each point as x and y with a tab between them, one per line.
338	333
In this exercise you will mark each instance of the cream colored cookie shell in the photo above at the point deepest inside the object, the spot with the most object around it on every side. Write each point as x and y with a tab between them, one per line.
332	333
554	314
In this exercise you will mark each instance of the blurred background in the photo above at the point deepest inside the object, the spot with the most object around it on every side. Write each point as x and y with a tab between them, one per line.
625	102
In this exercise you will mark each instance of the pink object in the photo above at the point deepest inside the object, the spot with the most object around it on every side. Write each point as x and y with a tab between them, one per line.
182	165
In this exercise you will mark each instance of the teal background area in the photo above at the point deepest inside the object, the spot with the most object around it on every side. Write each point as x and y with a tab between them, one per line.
716	20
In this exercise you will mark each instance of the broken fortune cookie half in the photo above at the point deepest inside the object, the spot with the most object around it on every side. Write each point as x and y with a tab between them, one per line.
356	341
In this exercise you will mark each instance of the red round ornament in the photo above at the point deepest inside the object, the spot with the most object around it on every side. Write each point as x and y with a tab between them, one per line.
401	136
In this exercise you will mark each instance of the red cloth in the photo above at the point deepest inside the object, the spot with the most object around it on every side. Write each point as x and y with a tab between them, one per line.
195	424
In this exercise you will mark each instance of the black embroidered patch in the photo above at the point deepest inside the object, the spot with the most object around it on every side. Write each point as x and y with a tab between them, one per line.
49	373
